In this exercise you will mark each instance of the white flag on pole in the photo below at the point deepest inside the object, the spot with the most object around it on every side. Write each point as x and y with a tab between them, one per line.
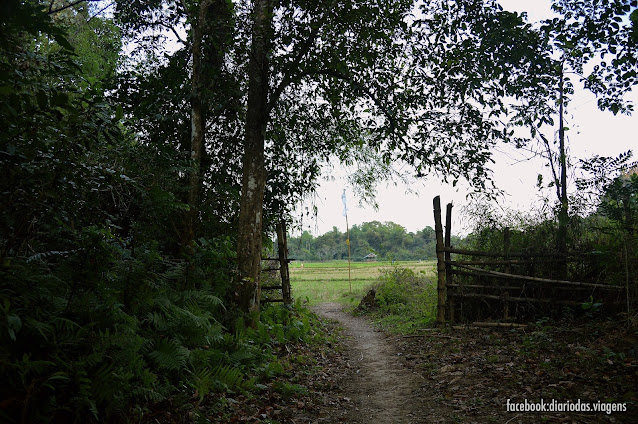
345	206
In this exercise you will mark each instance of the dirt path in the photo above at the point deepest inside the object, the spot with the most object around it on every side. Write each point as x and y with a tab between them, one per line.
446	376
379	387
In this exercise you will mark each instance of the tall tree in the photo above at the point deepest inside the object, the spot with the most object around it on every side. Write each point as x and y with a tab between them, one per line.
193	111
594	42
198	120
254	173
604	36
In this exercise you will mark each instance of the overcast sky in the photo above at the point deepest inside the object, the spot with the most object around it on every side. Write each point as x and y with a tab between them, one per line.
591	132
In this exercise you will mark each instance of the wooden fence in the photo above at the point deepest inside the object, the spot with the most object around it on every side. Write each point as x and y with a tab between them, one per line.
280	263
474	287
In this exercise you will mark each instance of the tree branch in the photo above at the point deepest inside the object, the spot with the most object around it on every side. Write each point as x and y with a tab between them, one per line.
99	11
180	39
362	89
288	76
61	8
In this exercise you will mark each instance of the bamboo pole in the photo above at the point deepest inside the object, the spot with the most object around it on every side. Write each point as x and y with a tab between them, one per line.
517	299
497	274
504	262
497	287
345	213
448	258
483	286
627	277
282	246
498	324
497	254
440	266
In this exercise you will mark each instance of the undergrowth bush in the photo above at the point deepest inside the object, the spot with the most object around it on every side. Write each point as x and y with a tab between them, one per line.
406	300
86	354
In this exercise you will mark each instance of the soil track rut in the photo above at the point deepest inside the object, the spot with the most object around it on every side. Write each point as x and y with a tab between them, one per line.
381	389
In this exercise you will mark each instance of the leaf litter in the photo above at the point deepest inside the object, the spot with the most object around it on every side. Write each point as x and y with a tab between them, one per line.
451	375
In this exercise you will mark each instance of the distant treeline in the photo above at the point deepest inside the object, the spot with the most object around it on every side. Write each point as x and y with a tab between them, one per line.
387	240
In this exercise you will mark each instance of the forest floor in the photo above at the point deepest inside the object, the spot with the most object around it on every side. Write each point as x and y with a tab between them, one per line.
457	375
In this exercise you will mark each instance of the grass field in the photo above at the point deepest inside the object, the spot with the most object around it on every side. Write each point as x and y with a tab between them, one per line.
328	281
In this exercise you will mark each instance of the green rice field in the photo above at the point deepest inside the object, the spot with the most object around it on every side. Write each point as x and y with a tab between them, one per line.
320	282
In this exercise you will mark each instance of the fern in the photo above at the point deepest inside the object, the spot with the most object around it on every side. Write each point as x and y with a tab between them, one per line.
169	355
102	387
156	320
242	355
147	394
203	382
54	379
66	330
44	329
229	376
221	377
49	254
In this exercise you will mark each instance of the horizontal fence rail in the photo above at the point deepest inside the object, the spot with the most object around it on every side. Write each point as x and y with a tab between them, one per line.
496	254
496	289
498	274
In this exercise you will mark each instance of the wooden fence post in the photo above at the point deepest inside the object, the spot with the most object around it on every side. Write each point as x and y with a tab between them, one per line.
440	266
508	270
282	247
448	258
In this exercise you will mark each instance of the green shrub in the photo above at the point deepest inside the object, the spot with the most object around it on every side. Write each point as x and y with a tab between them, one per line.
396	286
406	300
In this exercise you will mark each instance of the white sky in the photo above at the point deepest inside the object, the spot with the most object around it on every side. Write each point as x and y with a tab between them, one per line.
591	132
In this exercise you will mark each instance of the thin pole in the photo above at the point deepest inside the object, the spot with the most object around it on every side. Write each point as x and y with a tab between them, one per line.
448	258
345	213
348	243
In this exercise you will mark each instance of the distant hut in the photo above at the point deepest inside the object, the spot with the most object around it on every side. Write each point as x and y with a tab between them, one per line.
370	257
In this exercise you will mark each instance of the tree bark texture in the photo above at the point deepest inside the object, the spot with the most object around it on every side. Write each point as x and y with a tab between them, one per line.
254	174
198	123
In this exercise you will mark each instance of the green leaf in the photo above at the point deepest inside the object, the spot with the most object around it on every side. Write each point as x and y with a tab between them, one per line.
62	41
614	108
119	112
15	324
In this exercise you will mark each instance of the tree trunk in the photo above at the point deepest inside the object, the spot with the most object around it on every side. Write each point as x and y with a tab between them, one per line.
563	214
254	175
197	125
